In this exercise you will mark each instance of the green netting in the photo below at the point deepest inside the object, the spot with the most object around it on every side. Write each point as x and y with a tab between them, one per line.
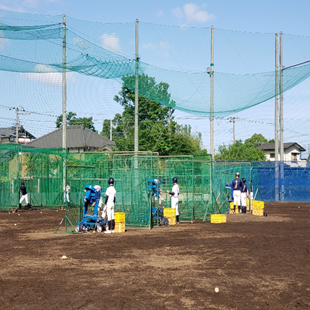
244	73
194	174
224	173
47	171
41	170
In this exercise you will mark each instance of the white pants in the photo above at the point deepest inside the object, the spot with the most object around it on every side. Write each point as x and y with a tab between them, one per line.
237	197
251	195
175	204
243	199
24	197
110	211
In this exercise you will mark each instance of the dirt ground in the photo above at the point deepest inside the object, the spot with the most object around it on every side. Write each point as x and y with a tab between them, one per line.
256	262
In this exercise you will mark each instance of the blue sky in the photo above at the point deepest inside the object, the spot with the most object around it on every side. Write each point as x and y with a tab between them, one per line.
291	17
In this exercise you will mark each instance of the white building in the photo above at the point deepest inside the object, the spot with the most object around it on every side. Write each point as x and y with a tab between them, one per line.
292	151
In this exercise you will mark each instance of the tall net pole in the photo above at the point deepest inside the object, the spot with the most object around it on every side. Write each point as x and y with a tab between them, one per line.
212	95
281	119
64	99
276	135
137	90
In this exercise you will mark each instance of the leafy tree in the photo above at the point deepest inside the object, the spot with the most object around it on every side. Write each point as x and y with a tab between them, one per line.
158	132
73	120
255	140
186	143
246	151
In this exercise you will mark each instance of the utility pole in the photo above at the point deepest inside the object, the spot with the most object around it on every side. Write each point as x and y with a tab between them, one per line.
233	120
18	111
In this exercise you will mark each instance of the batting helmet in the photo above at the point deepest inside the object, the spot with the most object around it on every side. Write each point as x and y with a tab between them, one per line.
237	174
243	180
111	181
174	180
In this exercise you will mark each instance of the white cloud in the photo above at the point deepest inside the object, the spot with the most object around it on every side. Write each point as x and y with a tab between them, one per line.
148	46
31	3
160	13
165	45
48	75
13	9
192	13
110	42
80	43
177	12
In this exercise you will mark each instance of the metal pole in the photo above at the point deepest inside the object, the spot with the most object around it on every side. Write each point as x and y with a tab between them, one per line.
276	137
64	99
17	121
212	95
64	117
281	99
281	119
169	116
136	147
111	129
276	122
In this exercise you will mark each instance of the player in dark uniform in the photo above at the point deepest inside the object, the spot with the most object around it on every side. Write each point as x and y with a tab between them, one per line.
236	186
244	194
24	196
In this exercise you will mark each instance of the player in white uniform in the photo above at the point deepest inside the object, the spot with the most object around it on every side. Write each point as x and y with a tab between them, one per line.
109	205
67	192
251	190
175	198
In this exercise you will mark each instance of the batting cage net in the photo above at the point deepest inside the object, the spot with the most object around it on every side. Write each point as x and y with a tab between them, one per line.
141	180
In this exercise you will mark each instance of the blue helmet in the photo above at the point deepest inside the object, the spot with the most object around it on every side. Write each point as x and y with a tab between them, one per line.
174	180
111	181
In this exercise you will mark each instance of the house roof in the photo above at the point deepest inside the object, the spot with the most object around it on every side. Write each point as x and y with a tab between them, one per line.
270	146
77	137
11	131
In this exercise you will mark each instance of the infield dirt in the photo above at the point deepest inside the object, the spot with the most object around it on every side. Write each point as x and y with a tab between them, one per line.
256	262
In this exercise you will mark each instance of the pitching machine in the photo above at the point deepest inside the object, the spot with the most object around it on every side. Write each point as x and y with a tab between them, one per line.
91	199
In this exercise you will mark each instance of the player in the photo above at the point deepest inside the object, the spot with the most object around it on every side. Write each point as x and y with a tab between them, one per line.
67	192
109	205
24	196
236	186
251	190
244	194
174	198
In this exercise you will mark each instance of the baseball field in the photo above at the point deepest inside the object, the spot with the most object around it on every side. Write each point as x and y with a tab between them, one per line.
256	262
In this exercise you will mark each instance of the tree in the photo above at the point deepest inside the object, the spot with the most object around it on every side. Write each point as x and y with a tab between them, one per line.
246	151
158	132
73	120
256	140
